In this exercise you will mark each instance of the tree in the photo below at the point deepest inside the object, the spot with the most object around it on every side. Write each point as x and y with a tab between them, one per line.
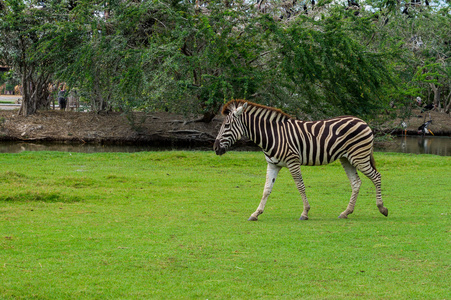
328	68
21	28
434	56
99	49
311	59
236	51
421	30
201	57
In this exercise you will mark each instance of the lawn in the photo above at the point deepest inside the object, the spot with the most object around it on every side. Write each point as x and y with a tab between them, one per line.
173	225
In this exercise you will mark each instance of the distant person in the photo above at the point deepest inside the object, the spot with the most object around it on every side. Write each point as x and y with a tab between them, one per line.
62	98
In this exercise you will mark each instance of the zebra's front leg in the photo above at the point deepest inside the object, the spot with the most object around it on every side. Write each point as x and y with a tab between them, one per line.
295	171
355	181
271	175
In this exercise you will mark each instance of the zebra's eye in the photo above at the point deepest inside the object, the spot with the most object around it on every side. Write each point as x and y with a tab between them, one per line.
228	123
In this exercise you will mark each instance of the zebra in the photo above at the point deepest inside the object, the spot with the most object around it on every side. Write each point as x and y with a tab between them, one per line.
287	142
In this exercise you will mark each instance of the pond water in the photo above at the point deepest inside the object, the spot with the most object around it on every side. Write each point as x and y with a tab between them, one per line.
438	145
17	147
410	144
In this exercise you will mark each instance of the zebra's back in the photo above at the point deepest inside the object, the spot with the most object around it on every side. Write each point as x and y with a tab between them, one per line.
322	142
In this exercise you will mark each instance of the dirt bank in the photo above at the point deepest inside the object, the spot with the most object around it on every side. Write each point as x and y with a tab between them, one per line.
157	129
441	123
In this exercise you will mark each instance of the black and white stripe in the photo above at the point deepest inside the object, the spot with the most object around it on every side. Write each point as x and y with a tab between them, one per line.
291	143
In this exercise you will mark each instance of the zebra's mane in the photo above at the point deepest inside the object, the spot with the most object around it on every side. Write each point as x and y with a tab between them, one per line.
229	106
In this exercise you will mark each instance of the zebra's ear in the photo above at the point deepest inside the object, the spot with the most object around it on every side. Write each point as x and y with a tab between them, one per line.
241	109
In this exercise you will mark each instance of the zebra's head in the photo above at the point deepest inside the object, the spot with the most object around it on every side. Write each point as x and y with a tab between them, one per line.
232	128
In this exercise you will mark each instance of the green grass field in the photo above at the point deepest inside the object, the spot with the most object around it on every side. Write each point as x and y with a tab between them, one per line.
173	225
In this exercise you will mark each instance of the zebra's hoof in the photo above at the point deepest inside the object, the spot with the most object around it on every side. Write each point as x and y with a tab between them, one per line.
251	218
303	218
383	211
342	216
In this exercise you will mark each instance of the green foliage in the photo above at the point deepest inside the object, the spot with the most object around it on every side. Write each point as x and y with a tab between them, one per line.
422	32
179	56
209	58
23	26
173	225
331	72
238	53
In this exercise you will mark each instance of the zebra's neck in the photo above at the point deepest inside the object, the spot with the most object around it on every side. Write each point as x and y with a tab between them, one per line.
260	126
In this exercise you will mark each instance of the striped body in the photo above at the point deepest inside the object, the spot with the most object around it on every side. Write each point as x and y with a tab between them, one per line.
291	143
312	143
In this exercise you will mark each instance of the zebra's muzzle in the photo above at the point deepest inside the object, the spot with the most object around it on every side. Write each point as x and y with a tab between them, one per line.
218	149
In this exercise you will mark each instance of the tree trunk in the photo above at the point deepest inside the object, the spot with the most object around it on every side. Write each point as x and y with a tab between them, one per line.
100	101
35	92
41	92
448	100
25	107
436	90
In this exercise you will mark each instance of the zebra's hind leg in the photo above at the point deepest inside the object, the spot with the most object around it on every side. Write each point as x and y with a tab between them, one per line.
295	170
370	171
376	179
271	175
354	178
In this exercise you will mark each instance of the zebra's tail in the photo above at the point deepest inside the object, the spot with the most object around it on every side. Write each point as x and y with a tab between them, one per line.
372	161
